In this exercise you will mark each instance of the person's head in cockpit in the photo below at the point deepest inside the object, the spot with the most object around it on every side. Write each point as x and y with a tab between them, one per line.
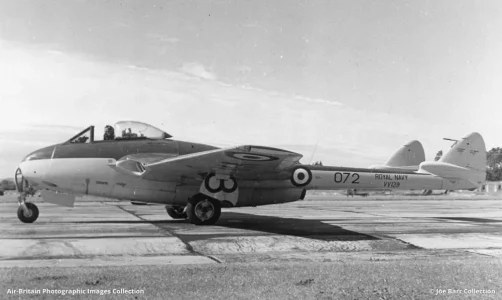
109	133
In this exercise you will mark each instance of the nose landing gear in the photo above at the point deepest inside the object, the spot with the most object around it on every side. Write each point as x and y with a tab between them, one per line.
27	212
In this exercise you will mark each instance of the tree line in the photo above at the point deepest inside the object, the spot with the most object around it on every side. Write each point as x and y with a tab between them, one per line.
7	184
494	164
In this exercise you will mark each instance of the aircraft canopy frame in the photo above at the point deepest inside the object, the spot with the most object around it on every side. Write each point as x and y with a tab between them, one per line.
135	129
123	130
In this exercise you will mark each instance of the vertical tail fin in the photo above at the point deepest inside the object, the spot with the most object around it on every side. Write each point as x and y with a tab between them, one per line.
470	152
408	157
411	154
465	160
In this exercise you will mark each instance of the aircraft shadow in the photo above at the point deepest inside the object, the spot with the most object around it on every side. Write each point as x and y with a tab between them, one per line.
251	225
306	228
123	222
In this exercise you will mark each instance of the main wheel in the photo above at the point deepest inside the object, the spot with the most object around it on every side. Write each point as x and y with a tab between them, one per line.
203	210
31	216
176	212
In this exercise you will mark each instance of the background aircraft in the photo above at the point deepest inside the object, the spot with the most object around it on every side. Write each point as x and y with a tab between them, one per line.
143	164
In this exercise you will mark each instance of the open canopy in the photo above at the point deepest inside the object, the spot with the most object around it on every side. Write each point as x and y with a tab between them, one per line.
123	130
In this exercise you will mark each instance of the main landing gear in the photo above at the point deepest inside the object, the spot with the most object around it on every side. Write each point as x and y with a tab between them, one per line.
200	210
203	210
176	212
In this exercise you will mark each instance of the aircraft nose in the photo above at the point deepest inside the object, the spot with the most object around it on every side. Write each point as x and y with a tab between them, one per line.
34	166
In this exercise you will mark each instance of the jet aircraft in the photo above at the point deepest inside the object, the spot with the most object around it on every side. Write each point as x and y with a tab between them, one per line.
141	163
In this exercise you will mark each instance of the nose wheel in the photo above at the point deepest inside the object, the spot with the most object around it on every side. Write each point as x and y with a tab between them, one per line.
27	212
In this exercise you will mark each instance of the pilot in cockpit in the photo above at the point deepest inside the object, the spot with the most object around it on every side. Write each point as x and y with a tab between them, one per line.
109	133
128	134
131	134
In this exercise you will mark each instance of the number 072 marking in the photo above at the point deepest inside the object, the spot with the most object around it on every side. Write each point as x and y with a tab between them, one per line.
343	177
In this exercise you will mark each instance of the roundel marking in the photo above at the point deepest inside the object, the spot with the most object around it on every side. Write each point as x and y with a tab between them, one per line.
252	157
301	176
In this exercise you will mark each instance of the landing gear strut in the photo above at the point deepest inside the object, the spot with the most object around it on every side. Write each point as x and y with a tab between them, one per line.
176	212
26	212
203	210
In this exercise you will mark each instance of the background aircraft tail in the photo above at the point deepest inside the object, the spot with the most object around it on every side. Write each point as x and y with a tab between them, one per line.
408	158
466	160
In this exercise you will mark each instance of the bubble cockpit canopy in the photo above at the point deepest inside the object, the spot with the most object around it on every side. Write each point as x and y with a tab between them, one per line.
133	129
124	130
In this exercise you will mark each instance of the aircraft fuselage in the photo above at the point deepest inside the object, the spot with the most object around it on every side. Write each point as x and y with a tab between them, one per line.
83	169
90	169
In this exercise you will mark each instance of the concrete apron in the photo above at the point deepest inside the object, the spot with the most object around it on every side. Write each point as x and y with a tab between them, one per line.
117	233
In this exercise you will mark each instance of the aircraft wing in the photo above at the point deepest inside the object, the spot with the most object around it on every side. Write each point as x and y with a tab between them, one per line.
243	162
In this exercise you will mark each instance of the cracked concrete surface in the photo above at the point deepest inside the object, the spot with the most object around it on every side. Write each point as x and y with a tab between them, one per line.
110	232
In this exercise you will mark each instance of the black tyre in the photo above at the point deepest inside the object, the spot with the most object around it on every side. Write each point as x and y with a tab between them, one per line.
33	213
176	212
203	210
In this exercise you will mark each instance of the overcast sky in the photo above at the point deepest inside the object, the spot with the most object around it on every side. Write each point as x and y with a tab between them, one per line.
356	78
